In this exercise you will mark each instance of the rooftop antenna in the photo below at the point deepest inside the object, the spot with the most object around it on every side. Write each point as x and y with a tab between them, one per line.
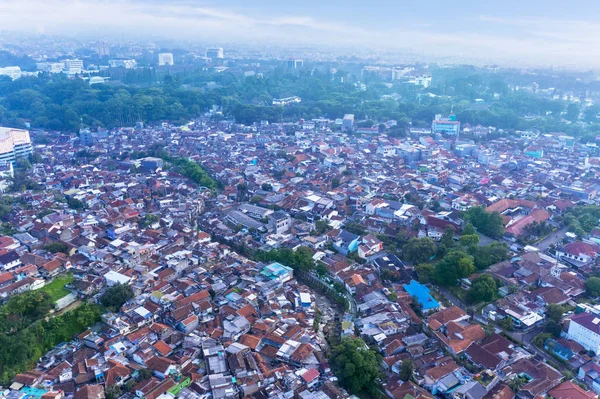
555	271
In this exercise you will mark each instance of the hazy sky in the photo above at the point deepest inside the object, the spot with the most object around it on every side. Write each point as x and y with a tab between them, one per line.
544	32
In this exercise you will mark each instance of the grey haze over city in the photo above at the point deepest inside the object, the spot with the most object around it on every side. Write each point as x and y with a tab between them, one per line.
532	33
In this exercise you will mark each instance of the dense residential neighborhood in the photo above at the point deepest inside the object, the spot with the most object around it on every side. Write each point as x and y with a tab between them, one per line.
222	260
184	220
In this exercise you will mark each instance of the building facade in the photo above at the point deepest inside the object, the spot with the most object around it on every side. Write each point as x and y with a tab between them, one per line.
14	144
447	125
214	52
584	329
165	59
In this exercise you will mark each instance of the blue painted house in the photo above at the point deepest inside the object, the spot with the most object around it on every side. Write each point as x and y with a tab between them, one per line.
346	242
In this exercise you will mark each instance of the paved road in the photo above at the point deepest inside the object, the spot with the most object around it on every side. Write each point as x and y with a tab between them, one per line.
553	238
452	298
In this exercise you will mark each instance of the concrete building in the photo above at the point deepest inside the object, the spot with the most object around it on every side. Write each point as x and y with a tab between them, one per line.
348	123
13	72
51	67
214	52
584	328
103	48
86	137
294	63
14	143
445	125
73	66
152	163
165	59
122	63
279	222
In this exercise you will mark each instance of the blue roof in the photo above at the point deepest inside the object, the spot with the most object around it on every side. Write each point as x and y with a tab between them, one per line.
278	269
420	291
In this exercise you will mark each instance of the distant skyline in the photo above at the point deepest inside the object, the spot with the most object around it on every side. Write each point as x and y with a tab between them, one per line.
525	32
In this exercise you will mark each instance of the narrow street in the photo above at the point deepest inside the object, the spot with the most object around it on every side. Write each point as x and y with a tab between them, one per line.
554	238
452	298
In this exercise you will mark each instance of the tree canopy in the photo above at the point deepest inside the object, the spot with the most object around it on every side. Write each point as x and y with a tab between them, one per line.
419	250
488	255
56	246
300	259
55	102
114	297
21	349
406	370
592	286
453	266
483	288
355	365
487	223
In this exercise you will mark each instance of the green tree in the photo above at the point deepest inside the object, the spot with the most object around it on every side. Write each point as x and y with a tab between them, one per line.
300	259
36	158
572	112
113	391
406	370
144	374
453	266
74	203
321	270
416	306
425	272
267	187
490	224
355	365
484	288
256	199
148	220
469	240
554	312
419	250
56	247
539	339
516	383
592	286
129	385
23	163
469	229
321	227
489	254
446	241
554	328
114	297
506	324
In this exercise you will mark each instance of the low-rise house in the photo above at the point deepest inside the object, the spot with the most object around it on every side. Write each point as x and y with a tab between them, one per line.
569	390
370	246
346	242
578	253
539	377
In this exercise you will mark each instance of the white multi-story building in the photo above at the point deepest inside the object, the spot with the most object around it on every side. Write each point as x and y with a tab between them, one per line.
73	66
214	52
122	62
165	59
348	123
14	143
279	222
52	67
13	72
584	328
